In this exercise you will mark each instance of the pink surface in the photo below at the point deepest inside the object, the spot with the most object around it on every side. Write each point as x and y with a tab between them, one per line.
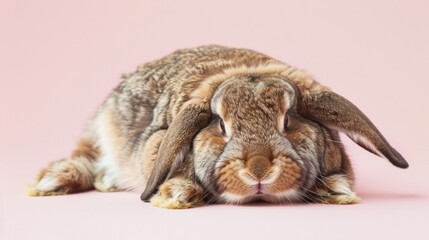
60	59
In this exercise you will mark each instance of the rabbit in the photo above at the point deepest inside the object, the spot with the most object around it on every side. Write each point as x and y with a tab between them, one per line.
214	124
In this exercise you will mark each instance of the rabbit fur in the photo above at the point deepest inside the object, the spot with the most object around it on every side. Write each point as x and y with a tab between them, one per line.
217	124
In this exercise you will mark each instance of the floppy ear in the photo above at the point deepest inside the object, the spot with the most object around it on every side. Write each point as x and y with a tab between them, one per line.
176	143
336	112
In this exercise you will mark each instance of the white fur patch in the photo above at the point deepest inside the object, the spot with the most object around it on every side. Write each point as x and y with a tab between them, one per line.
288	196
341	185
359	138
47	184
107	161
246	177
275	173
232	198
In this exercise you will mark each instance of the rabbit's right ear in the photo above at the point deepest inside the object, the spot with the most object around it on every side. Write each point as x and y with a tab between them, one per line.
193	117
336	112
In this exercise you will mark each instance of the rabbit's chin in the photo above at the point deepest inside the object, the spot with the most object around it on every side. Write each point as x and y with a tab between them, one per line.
289	196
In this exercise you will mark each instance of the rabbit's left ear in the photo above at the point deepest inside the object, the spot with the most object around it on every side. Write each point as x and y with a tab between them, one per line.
336	112
193	117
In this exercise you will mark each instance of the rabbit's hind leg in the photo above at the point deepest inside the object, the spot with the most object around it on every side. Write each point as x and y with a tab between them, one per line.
68	175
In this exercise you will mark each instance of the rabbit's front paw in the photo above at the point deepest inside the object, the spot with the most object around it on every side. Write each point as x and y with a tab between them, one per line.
334	189
178	193
341	199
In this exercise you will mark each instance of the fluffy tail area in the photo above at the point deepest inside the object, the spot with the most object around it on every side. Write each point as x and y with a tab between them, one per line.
69	175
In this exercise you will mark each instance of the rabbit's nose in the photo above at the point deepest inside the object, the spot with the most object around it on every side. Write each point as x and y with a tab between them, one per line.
258	166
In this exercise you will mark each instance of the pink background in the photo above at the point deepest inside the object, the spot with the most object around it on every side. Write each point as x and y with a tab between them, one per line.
60	59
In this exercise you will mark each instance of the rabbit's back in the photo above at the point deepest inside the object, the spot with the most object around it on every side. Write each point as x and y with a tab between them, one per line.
160	86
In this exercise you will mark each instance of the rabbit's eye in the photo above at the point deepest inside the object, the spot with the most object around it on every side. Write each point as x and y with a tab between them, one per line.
222	126
286	122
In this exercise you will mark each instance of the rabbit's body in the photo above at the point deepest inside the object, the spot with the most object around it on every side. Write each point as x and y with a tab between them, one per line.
142	134
146	102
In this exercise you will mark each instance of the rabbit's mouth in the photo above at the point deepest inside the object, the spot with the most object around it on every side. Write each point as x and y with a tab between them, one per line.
260	188
239	182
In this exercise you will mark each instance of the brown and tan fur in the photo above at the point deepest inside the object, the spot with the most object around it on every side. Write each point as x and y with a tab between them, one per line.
162	130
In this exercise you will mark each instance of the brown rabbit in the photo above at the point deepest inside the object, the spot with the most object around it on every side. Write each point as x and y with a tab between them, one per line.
217	124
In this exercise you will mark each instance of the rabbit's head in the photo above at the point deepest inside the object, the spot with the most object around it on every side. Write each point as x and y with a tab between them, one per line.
262	136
